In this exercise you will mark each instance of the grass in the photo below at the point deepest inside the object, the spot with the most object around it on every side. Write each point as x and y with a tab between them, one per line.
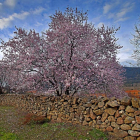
18	125
7	136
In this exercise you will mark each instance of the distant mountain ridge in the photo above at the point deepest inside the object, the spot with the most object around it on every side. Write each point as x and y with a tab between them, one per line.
132	74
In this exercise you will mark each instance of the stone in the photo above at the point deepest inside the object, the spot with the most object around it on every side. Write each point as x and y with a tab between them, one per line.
98	117
126	101
135	102
110	111
93	101
62	100
97	126
119	120
113	103
136	127
98	111
59	120
129	138
103	125
94	121
117	114
133	122
131	114
114	135
129	109
95	108
71	110
115	125
109	129
104	116
106	121
85	123
113	98
99	122
87	116
101	104
90	123
81	117
92	115
138	119
120	133
136	113
103	129
105	99
43	99
125	127
84	100
123	116
87	111
133	133
49	117
111	119
74	106
88	119
67	115
122	107
88	105
65	103
128	120
121	112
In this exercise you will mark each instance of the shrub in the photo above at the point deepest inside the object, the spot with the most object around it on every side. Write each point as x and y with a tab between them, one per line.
34	119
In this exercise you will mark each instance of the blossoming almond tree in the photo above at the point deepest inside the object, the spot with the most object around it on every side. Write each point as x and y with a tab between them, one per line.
23	57
69	57
136	42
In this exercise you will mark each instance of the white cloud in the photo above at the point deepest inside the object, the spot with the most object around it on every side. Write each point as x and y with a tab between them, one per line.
121	19
127	7
21	16
111	15
6	22
100	25
38	10
128	4
96	19
123	57
106	8
10	3
0	6
38	24
1	55
122	9
122	13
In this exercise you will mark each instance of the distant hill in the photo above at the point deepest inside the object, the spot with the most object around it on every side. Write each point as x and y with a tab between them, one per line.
132	74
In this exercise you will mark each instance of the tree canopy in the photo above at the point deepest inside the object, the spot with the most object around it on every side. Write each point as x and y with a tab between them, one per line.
136	42
71	56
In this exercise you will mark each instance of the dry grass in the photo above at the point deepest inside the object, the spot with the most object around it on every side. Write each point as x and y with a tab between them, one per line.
18	125
34	119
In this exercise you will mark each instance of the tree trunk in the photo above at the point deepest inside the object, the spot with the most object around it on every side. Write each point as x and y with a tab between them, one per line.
1	90
67	91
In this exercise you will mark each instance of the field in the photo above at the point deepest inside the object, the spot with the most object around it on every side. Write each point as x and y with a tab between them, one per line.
12	127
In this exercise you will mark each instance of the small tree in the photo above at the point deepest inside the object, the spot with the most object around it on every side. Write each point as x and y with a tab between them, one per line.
69	57
136	43
4	78
23	57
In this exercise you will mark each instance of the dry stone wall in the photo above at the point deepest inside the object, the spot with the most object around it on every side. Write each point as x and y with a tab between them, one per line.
118	117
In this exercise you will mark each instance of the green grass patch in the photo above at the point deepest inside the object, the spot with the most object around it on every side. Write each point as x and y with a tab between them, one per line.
46	130
8	136
97	134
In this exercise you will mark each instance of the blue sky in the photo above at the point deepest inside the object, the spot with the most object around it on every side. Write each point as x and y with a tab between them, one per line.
35	15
